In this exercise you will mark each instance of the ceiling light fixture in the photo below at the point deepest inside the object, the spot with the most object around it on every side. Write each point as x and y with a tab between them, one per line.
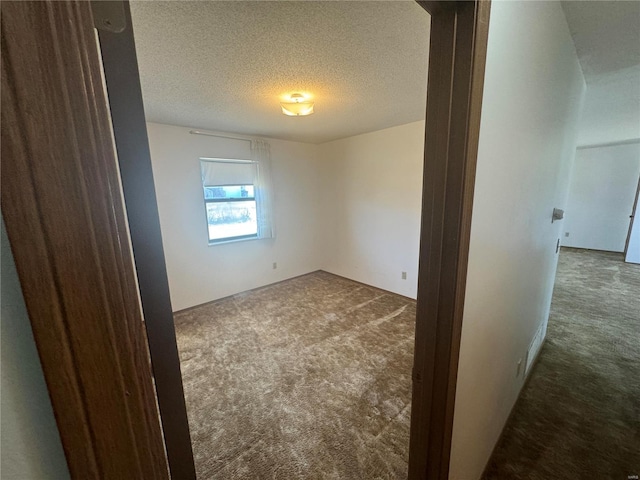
298	106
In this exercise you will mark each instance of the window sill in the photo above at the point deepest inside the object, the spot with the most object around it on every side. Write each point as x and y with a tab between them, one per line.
232	240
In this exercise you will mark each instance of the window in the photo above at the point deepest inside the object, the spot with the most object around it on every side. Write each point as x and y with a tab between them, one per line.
231	212
236	199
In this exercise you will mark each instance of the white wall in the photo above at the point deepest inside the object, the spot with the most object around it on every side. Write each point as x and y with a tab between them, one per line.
611	108
372	206
30	443
199	273
603	188
532	97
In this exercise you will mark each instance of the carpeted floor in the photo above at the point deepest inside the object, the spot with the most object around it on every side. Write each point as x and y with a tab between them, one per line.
579	415
306	379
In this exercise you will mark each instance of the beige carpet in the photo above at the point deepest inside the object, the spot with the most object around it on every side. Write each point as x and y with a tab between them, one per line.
306	379
579	415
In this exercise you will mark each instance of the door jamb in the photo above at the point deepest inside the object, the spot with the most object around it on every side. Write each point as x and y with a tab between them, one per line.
120	66
457	53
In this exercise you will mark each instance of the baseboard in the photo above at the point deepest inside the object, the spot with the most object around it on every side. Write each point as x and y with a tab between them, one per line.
566	247
513	408
211	302
367	285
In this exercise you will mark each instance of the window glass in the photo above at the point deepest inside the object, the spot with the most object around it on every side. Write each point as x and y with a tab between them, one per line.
228	191
231	212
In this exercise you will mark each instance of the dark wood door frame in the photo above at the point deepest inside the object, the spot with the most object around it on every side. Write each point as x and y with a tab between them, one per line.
66	224
65	220
457	53
122	80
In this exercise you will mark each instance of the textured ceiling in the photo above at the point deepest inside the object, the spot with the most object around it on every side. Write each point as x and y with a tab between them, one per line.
225	65
606	35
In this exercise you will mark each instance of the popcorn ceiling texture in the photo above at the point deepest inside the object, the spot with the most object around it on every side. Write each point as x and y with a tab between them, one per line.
307	378
225	65
579	415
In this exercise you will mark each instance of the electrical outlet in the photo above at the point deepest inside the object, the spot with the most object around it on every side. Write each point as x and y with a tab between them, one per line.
566	234
275	265
519	367
404	275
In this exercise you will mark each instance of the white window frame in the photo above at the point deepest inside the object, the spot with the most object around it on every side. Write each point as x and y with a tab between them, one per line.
239	238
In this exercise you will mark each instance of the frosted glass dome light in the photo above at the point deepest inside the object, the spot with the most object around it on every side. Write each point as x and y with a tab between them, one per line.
297	107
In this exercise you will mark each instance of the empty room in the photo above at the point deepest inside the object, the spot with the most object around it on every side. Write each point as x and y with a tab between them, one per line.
287	142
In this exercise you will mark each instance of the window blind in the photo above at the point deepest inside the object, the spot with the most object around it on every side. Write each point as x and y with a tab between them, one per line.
228	172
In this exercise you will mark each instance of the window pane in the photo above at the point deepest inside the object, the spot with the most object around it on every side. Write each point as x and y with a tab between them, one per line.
231	219
228	191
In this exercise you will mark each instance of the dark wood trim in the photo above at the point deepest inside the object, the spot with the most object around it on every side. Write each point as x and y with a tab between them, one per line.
65	220
454	98
120	66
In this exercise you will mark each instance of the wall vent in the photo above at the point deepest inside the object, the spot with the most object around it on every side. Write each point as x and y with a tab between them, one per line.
534	348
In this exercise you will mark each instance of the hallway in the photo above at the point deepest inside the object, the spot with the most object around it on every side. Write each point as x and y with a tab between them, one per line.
579	415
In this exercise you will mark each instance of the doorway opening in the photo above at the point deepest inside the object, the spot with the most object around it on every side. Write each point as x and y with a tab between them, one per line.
291	243
581	380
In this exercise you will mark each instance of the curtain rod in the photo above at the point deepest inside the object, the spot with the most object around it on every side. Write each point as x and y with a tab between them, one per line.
609	144
226	160
199	132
